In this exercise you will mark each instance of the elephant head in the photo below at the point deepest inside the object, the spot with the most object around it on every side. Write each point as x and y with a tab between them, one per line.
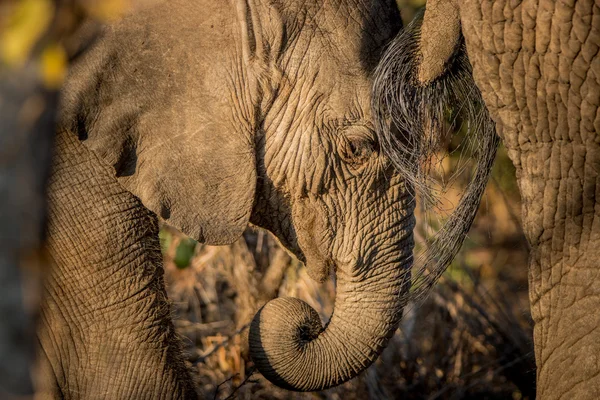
220	114
327	191
337	185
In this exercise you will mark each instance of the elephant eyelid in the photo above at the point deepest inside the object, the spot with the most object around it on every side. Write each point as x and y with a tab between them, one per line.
356	151
356	143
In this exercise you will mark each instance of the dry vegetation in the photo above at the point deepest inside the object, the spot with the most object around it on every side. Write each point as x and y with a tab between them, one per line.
471	338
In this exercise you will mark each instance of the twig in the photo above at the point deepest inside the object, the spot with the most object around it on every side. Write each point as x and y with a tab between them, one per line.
204	356
252	371
222	383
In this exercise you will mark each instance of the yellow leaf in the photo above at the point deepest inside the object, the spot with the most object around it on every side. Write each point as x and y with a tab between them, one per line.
53	64
25	25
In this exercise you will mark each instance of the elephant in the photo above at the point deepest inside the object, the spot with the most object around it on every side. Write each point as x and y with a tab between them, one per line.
537	67
212	116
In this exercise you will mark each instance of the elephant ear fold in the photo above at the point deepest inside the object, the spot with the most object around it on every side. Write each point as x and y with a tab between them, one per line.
202	184
209	195
439	39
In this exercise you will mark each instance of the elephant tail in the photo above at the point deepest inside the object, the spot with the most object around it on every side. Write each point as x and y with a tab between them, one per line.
417	100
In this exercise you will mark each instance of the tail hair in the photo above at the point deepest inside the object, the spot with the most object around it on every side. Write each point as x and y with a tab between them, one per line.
411	118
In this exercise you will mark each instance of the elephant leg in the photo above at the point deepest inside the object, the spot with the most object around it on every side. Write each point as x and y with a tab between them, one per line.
537	64
106	330
562	222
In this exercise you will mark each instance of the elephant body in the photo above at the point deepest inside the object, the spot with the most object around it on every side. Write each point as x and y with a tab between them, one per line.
538	68
211	116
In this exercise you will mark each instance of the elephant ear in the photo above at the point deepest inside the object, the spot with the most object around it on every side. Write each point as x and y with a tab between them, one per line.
440	37
168	121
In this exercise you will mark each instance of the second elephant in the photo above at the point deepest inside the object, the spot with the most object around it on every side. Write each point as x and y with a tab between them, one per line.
537	65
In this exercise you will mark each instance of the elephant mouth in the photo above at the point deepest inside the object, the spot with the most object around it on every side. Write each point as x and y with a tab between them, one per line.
320	269
318	265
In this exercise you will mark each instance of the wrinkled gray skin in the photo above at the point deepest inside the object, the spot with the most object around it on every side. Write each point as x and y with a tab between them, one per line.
213	115
106	331
543	89
538	68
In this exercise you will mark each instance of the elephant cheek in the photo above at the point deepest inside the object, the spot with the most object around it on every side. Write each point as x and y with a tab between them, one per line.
310	232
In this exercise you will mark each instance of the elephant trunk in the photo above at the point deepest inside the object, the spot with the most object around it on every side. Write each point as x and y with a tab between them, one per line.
290	347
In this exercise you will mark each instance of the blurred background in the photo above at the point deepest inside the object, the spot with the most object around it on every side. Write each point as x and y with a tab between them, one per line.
471	338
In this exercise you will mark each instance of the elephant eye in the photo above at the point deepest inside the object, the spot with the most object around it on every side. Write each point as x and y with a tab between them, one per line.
356	151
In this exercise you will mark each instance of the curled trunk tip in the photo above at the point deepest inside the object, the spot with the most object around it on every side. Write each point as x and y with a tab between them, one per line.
292	349
278	333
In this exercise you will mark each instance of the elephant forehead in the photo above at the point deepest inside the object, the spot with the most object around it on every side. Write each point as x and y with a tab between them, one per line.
351	28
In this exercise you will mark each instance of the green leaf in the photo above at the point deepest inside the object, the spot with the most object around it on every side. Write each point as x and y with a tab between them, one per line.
184	253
